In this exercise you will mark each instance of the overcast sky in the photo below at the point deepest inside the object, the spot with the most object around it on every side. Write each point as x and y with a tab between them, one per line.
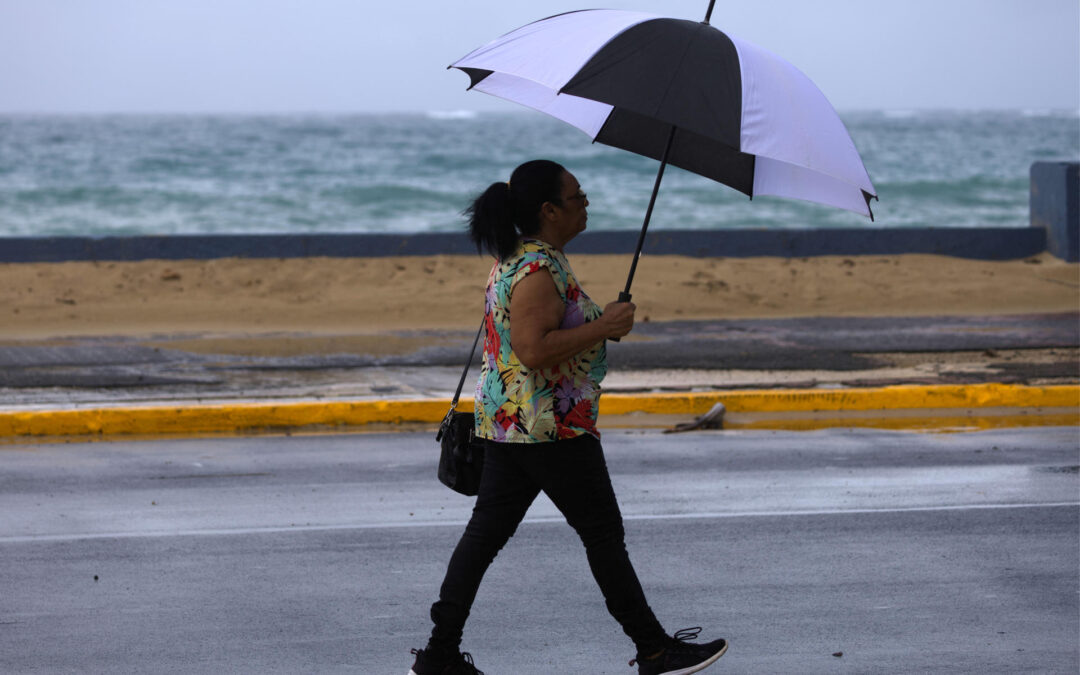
240	56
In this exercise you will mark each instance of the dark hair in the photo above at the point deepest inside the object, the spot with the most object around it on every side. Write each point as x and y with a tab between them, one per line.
507	211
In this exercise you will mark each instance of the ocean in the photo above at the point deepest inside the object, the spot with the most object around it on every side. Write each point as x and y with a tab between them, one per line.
117	175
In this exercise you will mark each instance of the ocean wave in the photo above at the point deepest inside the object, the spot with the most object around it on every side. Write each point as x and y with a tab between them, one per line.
452	114
401	173
1051	112
99	197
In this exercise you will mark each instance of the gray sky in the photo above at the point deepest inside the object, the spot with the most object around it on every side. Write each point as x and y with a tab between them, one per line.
390	55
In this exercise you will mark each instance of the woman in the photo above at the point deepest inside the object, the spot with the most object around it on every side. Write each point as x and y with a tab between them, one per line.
536	406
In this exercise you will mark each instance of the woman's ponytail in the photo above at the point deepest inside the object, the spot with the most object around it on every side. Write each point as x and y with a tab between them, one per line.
491	221
506	211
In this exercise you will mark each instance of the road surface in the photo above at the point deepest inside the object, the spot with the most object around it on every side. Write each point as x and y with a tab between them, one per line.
836	551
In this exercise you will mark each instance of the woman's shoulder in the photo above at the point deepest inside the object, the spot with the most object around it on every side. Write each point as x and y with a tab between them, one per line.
535	247
530	257
530	253
538	251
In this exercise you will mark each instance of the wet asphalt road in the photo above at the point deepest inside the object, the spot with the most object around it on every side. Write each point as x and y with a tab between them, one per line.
904	552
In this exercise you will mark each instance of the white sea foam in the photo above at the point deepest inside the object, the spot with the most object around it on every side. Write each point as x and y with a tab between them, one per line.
1050	112
451	114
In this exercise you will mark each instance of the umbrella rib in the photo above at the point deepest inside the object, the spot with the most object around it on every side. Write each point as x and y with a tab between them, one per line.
671	80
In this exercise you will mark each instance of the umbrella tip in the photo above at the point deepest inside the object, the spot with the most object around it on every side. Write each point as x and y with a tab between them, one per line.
708	12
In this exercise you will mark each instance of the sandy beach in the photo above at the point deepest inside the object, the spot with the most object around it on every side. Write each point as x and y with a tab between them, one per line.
324	305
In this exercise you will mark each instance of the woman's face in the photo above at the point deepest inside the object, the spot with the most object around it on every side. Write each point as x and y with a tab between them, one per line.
573	211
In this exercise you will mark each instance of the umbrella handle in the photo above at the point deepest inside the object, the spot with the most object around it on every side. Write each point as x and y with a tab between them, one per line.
623	297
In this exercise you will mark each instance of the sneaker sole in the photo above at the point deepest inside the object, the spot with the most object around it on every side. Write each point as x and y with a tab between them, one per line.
701	666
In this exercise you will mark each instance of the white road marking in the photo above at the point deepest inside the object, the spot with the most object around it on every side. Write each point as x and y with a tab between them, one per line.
711	515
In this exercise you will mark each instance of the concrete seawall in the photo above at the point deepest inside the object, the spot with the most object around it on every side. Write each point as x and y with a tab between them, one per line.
1002	243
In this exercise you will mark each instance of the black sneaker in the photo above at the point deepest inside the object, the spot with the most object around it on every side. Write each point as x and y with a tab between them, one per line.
680	657
461	664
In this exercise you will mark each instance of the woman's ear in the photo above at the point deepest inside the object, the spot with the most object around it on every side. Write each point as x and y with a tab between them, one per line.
547	210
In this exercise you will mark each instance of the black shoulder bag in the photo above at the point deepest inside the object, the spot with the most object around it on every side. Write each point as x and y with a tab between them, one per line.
462	459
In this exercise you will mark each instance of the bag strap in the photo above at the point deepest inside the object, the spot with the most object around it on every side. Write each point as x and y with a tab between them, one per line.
468	364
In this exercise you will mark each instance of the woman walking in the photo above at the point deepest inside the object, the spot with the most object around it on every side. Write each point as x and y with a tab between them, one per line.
536	407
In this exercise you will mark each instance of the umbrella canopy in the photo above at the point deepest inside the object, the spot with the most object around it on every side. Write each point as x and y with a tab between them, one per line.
745	117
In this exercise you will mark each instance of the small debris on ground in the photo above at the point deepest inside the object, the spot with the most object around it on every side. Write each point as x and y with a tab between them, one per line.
714	419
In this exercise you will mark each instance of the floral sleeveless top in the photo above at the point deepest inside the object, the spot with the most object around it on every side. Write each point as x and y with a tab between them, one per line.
516	404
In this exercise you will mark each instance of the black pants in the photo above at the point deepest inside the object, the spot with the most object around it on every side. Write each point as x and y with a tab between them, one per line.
574	475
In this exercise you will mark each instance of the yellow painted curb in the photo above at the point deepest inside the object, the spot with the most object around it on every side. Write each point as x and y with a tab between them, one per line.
817	400
932	420
213	418
226	418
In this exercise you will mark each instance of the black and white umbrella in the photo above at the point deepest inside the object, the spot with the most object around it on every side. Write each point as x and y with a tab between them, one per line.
682	92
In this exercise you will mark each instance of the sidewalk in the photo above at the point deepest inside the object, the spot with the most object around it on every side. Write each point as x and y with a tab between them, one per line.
917	373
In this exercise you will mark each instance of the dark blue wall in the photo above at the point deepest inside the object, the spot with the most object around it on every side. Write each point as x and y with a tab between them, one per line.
983	243
1055	206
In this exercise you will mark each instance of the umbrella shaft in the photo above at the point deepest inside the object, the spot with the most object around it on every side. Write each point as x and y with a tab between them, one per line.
625	295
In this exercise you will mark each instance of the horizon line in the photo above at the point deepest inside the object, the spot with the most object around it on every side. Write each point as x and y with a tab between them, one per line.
463	112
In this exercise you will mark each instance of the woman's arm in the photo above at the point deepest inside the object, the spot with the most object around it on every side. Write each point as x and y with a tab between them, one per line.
536	310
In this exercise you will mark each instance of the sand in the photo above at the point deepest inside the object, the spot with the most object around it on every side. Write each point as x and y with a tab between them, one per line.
353	304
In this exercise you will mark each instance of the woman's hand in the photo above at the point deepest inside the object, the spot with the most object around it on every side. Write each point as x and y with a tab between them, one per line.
618	318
